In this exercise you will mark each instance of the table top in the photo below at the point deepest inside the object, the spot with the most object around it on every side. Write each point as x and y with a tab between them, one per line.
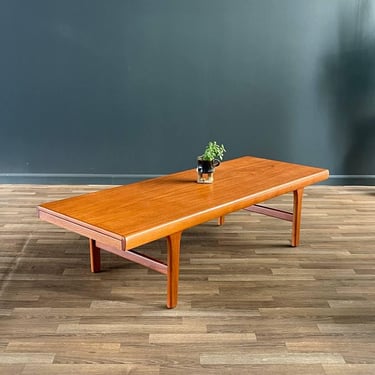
131	215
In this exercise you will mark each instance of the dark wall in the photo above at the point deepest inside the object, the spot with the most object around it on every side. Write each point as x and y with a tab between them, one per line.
140	86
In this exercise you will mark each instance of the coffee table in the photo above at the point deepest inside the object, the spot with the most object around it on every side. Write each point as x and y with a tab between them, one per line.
120	219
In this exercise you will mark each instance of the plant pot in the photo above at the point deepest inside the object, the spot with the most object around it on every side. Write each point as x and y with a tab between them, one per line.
205	170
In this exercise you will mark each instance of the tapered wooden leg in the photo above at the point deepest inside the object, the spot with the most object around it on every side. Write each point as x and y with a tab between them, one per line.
173	242
297	208
94	256
220	220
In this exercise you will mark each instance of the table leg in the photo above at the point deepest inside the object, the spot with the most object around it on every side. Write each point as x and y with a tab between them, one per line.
297	207
94	256
173	242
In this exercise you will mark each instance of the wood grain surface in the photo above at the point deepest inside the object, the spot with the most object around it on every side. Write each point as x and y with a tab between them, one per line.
248	302
125	217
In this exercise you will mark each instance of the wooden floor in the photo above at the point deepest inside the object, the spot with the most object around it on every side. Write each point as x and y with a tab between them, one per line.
248	303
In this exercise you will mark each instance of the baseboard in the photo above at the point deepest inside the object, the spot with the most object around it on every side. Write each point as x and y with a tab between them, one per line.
340	180
123	179
72	178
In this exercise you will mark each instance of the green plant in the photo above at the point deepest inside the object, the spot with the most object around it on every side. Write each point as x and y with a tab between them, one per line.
213	151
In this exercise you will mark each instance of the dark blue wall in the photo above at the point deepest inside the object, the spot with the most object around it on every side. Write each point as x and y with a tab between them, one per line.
137	87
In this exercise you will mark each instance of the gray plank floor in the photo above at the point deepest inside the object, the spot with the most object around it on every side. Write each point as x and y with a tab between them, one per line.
248	302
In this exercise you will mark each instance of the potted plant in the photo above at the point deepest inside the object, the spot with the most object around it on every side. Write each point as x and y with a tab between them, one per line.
206	163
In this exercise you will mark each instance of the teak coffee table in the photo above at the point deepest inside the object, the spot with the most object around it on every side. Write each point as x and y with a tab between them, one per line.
120	219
